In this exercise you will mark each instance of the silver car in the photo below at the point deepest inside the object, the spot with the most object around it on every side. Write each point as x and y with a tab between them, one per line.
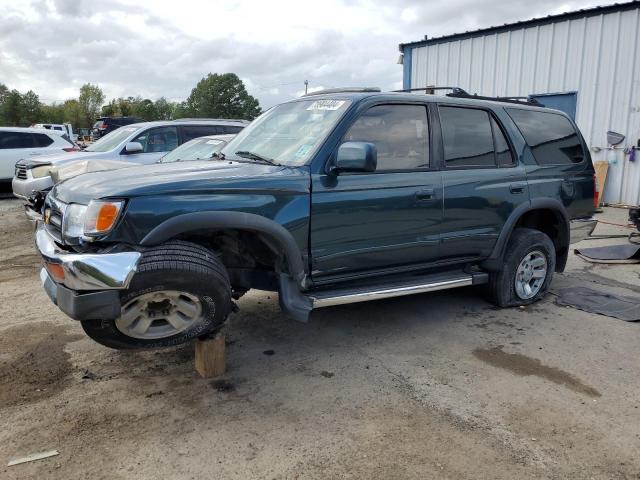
139	143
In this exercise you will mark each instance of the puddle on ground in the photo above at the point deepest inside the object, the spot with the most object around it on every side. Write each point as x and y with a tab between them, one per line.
525	366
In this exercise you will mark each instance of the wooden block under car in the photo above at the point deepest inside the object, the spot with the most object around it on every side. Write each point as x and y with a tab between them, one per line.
210	357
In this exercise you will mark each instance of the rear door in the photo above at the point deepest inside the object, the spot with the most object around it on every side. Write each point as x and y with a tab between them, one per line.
388	219
562	169
483	181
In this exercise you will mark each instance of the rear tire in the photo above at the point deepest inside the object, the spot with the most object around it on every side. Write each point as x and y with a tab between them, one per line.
180	291
528	266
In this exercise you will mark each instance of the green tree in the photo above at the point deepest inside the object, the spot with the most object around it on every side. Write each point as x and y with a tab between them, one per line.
163	109
222	96
30	108
53	113
4	93
110	109
146	110
90	100
13	108
73	114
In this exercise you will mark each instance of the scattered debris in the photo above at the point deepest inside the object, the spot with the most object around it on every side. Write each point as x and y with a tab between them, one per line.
33	457
326	374
154	394
88	375
269	352
222	385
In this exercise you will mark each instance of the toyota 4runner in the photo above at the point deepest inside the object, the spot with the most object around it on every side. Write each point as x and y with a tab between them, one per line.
333	198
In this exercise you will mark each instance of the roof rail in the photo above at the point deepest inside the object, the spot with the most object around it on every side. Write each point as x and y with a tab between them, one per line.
457	92
210	120
344	90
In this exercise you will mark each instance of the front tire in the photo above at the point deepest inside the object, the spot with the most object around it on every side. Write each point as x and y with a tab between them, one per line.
180	291
529	263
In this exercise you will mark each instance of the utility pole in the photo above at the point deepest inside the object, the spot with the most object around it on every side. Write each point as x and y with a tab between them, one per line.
306	86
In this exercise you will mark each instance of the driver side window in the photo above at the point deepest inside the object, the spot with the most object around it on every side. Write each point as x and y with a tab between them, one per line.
399	132
161	139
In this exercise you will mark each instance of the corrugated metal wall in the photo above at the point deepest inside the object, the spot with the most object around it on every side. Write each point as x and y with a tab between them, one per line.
597	56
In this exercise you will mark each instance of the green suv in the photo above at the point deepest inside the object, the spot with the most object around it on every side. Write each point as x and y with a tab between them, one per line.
345	196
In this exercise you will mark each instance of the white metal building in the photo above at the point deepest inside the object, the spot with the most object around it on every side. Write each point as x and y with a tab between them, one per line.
586	63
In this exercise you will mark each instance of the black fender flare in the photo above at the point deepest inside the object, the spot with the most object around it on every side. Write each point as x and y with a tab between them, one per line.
190	222
494	262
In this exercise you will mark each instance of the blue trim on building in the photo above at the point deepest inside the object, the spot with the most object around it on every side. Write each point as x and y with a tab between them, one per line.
406	68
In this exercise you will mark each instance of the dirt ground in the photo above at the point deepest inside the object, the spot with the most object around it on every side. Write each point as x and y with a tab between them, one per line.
441	385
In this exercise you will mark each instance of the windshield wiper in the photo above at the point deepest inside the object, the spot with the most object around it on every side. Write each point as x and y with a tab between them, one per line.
218	155
255	156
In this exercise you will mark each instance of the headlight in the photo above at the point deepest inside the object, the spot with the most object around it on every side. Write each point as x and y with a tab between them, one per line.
101	216
73	220
92	220
40	172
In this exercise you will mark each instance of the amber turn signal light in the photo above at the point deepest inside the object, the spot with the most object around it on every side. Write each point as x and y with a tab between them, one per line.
56	271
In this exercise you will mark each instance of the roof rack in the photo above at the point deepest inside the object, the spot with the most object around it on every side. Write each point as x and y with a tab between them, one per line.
345	90
457	92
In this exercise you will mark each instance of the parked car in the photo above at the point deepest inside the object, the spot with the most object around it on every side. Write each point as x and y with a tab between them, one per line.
140	143
328	199
27	143
202	148
106	125
60	127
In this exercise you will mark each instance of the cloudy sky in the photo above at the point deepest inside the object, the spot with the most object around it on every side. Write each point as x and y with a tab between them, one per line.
159	48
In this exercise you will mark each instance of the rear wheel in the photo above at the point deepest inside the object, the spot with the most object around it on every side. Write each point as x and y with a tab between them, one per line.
180	291
528	267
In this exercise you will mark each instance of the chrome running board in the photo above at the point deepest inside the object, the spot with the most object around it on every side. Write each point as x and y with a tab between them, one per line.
342	297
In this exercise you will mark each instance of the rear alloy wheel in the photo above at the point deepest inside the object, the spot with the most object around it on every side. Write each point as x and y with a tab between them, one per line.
529	263
180	291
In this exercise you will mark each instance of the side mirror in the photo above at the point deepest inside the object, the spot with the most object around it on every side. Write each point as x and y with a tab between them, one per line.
133	147
356	157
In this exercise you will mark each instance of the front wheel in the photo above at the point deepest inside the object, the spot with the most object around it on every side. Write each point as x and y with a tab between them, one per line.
180	291
527	271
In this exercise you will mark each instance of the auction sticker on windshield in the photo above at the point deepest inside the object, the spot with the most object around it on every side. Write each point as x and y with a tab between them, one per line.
326	105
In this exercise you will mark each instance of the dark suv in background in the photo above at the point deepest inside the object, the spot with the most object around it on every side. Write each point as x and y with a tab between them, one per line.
332	198
106	125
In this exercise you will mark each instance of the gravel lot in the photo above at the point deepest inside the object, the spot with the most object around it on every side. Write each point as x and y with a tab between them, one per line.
441	385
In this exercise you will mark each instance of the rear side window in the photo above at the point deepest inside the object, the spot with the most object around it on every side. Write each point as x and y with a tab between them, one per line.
189	132
468	137
15	140
551	136
231	129
399	132
42	140
504	157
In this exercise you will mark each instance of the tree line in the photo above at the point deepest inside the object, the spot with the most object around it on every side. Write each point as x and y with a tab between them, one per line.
215	96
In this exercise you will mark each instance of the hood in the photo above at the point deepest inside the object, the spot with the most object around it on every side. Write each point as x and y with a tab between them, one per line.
181	178
78	167
57	159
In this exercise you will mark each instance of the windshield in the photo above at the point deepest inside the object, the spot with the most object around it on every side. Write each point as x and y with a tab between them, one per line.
197	149
288	134
110	140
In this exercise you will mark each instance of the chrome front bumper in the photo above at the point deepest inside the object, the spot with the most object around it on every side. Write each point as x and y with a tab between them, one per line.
581	228
88	271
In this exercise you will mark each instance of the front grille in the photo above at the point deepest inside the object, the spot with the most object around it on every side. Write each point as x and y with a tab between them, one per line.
55	215
21	172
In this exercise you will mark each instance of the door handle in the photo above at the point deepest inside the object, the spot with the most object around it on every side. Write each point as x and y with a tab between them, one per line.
517	187
425	195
